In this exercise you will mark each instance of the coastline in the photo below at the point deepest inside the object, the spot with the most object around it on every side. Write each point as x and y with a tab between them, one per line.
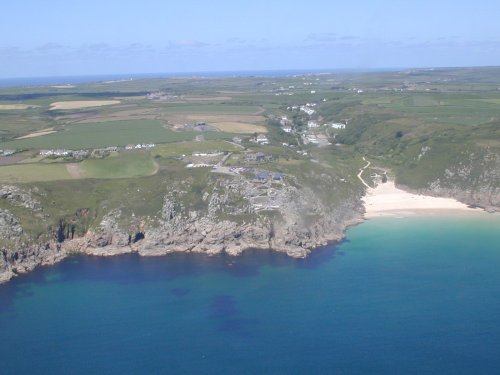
248	238
387	200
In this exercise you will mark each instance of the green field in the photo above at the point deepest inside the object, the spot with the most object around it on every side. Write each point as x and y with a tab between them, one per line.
489	100
214	108
446	108
124	165
115	133
33	173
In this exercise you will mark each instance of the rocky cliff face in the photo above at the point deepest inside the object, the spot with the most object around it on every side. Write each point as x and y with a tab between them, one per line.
229	217
19	256
21	198
181	229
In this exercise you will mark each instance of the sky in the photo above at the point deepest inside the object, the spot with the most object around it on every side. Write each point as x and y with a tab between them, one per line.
90	37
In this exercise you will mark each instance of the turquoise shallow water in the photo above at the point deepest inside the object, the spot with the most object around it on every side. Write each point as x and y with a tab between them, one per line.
407	296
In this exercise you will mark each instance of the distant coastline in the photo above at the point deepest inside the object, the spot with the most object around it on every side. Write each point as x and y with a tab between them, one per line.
79	79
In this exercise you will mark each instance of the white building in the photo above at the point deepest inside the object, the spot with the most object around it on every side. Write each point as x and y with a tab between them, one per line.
338	125
312	124
307	110
262	139
284	121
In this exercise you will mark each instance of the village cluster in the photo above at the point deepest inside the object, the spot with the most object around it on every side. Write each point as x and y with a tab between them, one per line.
261	186
82	154
7	152
316	132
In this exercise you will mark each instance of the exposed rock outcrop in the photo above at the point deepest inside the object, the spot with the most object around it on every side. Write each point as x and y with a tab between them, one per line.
21	198
300	223
181	229
10	229
17	255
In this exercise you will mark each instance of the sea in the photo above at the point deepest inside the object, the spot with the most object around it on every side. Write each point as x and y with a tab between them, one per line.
398	296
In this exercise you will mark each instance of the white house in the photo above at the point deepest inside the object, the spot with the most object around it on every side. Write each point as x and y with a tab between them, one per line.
338	125
307	110
312	124
284	121
262	139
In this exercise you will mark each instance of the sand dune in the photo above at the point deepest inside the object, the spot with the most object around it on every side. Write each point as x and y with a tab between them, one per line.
387	200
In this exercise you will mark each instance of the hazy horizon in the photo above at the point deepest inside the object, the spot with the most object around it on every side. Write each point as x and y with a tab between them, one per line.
222	73
56	38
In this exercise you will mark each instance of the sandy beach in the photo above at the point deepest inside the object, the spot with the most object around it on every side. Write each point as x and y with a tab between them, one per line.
387	200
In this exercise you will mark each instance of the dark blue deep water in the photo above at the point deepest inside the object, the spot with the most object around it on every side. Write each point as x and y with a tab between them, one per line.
407	296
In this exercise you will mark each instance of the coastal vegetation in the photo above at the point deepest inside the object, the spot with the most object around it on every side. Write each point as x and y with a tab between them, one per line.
223	164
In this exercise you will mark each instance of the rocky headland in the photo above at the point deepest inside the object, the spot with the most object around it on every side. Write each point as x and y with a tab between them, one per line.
228	221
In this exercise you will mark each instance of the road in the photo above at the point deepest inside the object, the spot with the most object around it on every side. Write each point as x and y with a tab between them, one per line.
361	172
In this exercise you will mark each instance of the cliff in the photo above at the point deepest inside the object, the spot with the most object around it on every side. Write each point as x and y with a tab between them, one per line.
227	219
